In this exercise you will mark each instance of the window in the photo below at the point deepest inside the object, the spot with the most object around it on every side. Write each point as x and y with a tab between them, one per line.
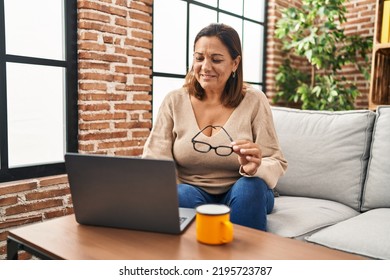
175	25
38	87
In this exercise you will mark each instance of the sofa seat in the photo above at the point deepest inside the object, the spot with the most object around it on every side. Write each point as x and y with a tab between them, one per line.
366	234
298	217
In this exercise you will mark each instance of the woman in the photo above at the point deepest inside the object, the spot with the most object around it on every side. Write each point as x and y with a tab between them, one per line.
220	133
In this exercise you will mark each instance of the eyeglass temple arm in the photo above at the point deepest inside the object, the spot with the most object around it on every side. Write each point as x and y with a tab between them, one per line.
214	127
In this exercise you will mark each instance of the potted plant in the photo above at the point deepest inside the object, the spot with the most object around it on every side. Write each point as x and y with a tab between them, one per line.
314	32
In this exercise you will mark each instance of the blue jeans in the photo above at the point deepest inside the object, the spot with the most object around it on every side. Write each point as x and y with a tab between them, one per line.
249	198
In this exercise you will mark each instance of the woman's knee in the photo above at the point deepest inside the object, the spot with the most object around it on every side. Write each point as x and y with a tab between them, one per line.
189	196
251	186
252	191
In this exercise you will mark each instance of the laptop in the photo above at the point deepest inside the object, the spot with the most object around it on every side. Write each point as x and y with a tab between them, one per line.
125	192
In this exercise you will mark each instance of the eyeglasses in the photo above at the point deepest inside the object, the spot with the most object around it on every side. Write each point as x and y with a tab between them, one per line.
203	147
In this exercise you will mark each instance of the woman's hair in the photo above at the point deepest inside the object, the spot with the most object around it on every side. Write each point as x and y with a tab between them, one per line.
233	93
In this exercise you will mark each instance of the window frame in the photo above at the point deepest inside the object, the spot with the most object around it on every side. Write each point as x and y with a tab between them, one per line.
189	47
69	64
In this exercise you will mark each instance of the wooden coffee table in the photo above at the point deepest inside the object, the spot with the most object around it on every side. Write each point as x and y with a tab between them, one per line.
64	238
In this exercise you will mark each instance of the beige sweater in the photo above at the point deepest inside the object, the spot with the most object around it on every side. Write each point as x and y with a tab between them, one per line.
176	124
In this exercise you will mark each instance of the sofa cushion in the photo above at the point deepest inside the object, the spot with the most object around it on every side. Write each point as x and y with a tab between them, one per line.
327	153
377	188
367	234
296	217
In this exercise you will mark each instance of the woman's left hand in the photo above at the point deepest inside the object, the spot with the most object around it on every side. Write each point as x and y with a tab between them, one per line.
249	155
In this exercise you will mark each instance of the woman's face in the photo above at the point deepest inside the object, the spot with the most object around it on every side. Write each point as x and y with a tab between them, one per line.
213	64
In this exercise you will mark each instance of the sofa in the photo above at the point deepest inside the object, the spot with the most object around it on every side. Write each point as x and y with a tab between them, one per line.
336	191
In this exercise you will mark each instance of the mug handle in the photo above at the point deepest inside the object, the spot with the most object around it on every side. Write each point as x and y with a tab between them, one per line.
227	232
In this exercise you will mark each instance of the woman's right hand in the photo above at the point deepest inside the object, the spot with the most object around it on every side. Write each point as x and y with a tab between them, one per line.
249	155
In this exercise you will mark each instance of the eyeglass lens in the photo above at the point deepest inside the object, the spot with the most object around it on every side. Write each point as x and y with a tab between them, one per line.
219	150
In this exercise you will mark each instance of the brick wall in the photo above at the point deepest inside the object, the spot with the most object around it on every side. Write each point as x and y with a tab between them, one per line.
360	19
31	201
115	42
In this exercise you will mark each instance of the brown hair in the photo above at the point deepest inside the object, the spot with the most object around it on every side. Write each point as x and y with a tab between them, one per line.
233	93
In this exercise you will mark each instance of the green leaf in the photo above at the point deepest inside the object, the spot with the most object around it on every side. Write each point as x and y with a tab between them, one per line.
309	54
